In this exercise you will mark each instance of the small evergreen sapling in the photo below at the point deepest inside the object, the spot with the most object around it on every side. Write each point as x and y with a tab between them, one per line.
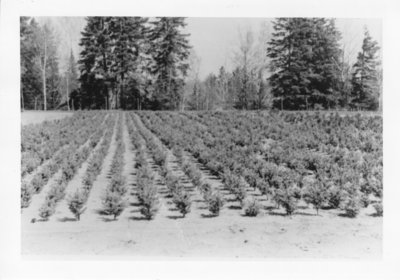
215	203
76	203
149	201
335	196
379	209
182	202
351	203
47	209
286	192
314	193
113	204
26	195
252	207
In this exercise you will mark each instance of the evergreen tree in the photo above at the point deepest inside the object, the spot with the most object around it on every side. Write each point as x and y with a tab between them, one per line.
126	35
303	52
30	73
111	52
222	87
365	78
170	51
131	60
96	81
70	80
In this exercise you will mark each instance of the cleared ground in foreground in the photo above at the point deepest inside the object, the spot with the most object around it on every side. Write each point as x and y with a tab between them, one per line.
198	235
229	235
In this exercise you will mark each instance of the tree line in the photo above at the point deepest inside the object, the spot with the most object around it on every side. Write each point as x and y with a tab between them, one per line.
141	63
43	85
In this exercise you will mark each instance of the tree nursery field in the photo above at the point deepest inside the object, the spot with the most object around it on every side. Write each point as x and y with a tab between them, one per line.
202	184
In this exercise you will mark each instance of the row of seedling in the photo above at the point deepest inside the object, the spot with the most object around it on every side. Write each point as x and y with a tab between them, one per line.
237	186
39	142
147	193
69	167
35	184
213	198
114	200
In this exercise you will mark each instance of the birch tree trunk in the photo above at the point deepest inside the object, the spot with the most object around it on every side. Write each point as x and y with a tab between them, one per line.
44	73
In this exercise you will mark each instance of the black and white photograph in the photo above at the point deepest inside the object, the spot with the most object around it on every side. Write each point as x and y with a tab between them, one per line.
181	137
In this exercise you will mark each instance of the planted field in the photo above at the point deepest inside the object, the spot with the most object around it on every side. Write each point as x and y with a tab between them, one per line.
232	184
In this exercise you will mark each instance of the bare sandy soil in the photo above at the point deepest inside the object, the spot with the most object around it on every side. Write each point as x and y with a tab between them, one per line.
28	117
199	235
229	235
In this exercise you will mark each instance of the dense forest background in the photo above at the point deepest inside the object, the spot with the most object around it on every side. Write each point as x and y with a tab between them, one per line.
149	64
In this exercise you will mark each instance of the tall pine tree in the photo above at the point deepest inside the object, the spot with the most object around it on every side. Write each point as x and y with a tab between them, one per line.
96	80
71	82
111	48
169	49
365	83
30	73
303	52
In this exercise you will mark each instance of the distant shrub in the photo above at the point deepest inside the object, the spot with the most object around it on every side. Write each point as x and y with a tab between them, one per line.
29	164
149	207
251	178
196	177
37	183
46	172
182	202
172	183
118	184
287	198
351	203
251	207
88	179
76	203
314	193
178	153
26	195
159	157
240	194
215	202
205	190
334	196
47	209
113	203
379	209
57	190
164	170
237	185
148	198
263	187
364	200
